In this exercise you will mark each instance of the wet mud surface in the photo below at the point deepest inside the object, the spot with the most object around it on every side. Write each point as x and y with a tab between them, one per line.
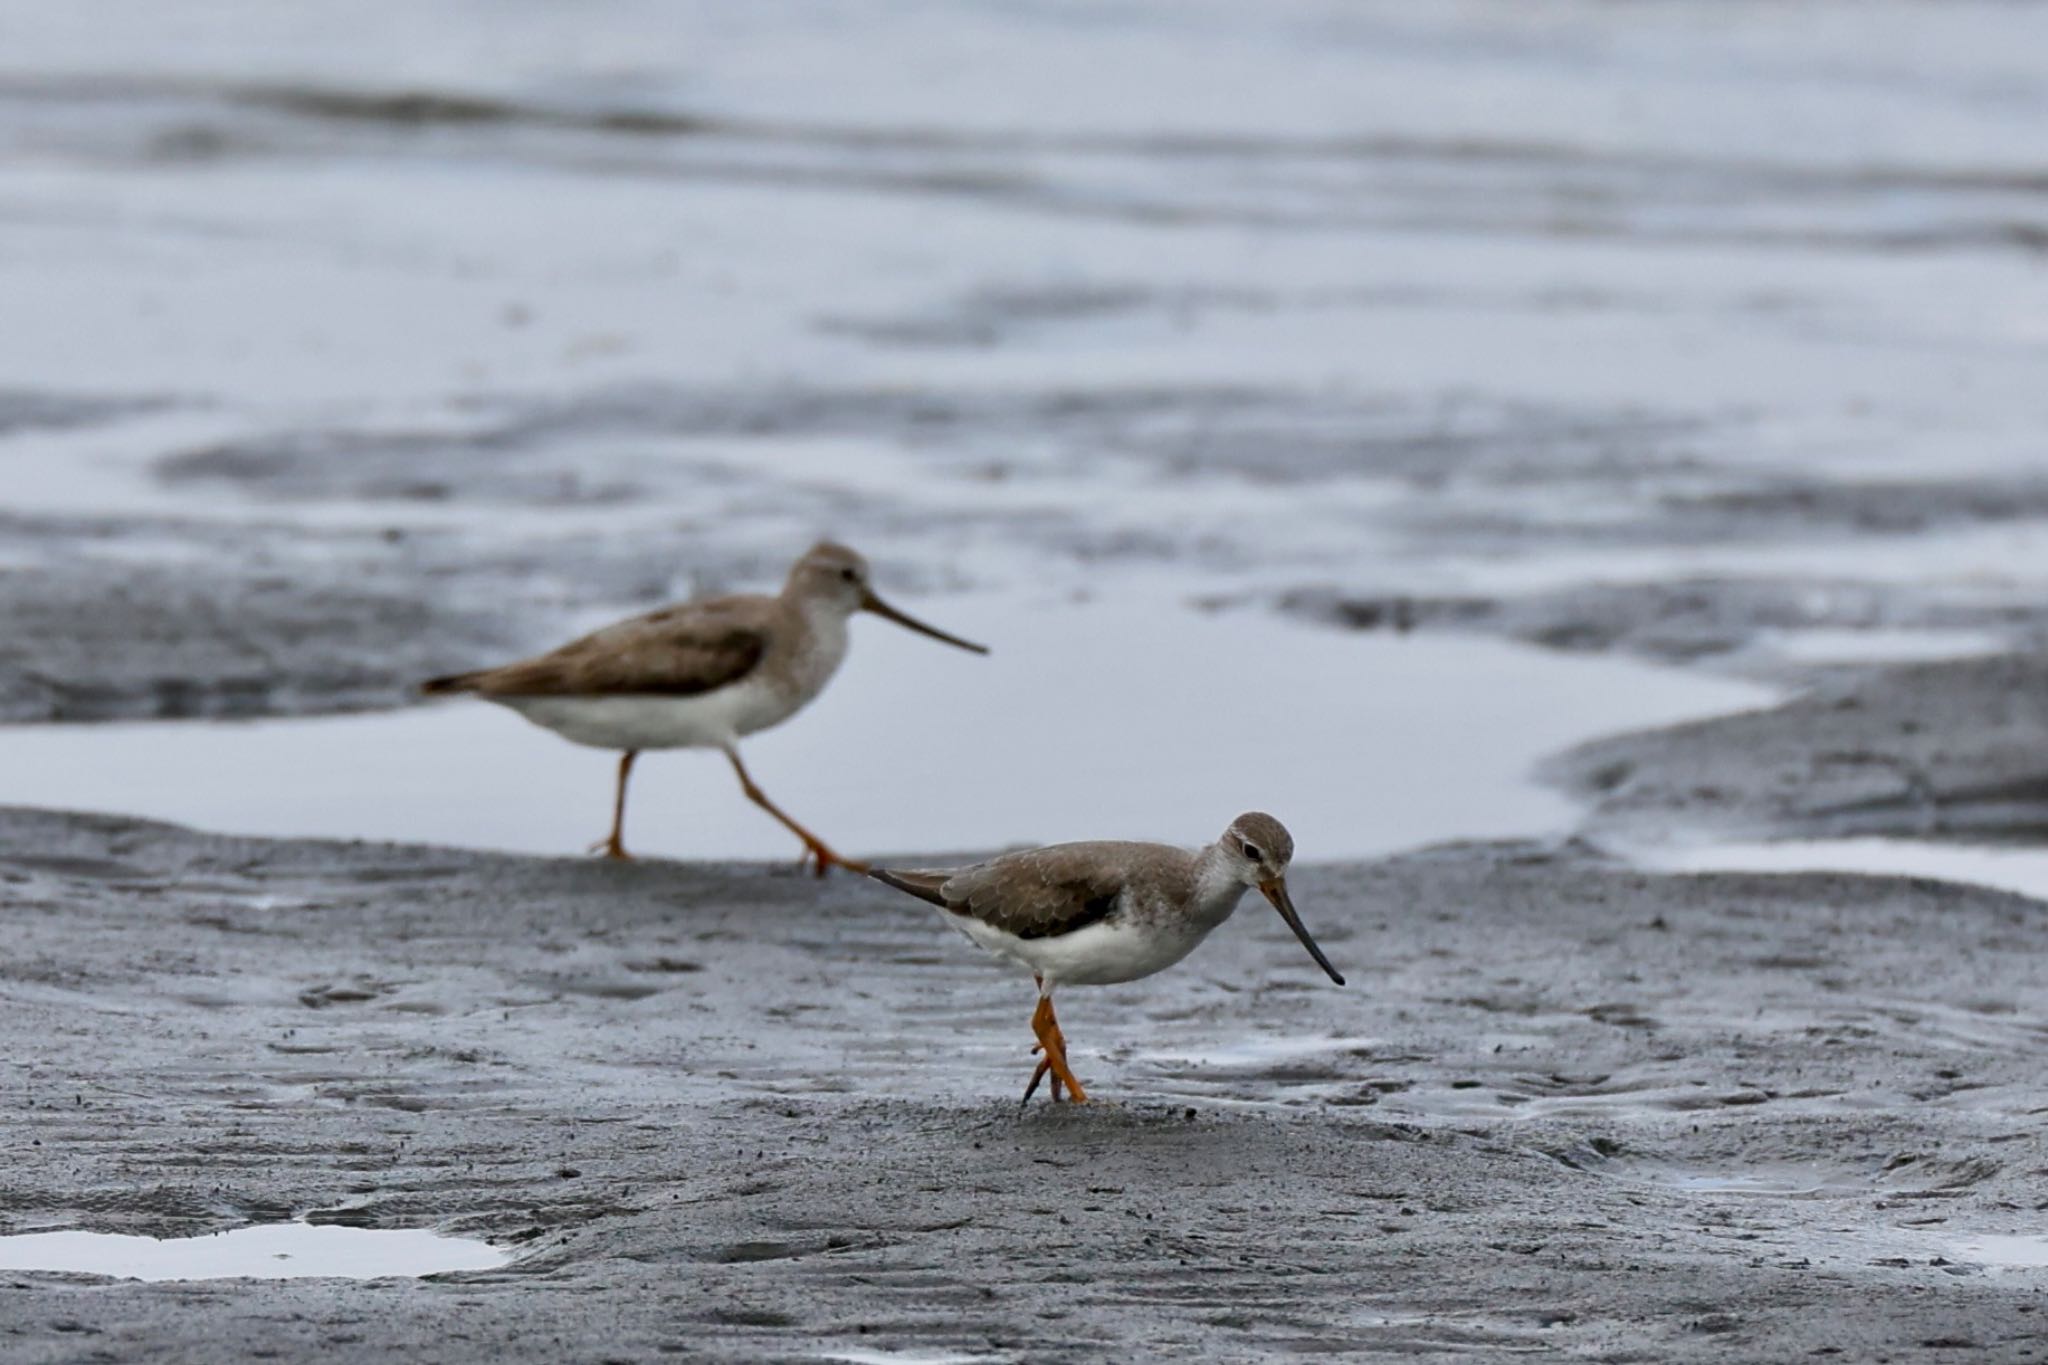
379	343
1725	622
1939	750
1564	1108
238	628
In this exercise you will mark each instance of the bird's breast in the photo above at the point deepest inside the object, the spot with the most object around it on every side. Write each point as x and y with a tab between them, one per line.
640	721
796	672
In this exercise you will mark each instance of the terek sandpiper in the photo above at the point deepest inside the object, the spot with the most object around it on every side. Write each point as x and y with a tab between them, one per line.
699	675
1093	914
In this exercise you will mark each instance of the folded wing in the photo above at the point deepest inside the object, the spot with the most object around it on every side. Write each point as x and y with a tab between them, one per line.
680	651
1042	893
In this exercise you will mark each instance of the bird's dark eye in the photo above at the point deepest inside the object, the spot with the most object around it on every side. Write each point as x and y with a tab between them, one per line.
850	575
1251	853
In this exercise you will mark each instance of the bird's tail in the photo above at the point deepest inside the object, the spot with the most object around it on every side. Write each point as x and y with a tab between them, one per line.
448	682
923	885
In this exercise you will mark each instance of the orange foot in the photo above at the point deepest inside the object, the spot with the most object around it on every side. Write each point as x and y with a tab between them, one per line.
612	849
1054	1063
1044	1069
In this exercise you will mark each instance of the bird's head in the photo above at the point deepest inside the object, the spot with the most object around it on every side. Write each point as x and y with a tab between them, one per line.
1256	850
837	578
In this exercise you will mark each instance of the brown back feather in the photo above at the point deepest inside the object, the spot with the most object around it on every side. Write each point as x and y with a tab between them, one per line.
1047	892
679	651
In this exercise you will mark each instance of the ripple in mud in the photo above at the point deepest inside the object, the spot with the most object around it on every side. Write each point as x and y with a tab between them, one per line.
1645	1092
1780	1179
1904	1179
1330	1068
866	1356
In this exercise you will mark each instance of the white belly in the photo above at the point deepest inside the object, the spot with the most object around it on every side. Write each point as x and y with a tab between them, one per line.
1099	955
708	721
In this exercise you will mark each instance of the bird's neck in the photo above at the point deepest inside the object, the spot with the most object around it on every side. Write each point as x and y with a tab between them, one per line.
819	641
823	617
1217	888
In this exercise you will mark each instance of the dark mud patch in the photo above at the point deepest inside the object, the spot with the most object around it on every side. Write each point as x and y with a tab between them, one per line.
806	1139
1170	432
166	617
1007	314
1023	312
1715	620
24	410
398	467
2012	811
1769	511
246	624
419	110
1882	507
1493	184
1927	750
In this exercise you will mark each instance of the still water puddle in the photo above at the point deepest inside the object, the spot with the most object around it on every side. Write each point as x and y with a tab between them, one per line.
1886	646
278	1251
2004	1251
1086	721
1292	1065
2021	870
1251	1054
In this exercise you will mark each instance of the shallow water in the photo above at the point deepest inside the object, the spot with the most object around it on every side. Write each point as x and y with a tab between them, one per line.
2021	870
1874	646
2005	1251
1106	720
281	1251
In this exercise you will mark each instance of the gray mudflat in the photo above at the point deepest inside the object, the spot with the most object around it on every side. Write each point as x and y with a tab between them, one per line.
1953	749
728	1112
361	353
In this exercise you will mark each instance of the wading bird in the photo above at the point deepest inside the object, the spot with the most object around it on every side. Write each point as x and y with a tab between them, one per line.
1092	914
699	675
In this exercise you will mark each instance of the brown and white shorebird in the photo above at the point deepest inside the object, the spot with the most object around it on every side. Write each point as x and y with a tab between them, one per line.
1093	914
699	675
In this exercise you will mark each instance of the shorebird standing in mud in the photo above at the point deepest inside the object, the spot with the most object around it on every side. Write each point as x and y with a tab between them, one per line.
1093	914
699	675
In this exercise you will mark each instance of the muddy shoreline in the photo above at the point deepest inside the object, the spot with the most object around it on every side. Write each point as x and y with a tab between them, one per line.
724	1112
367	347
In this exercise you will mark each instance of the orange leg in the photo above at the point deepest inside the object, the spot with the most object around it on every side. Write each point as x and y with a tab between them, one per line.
1037	1022
1044	1066
814	847
1054	1045
615	846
